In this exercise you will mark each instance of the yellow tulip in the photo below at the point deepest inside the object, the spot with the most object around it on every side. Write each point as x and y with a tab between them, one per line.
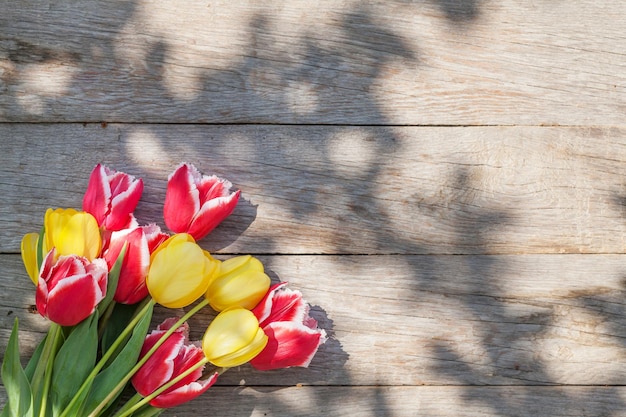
29	255
180	271
239	282
233	338
72	232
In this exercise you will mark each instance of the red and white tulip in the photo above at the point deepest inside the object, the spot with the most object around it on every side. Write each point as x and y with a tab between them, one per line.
172	358
141	242
111	197
293	336
196	203
69	289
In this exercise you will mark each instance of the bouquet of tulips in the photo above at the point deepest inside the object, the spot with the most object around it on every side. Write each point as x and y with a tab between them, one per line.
98	275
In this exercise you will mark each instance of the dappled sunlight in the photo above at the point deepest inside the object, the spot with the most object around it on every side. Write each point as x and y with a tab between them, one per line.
392	167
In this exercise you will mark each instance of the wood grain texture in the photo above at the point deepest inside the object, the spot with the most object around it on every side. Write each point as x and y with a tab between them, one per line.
428	320
404	402
355	190
385	62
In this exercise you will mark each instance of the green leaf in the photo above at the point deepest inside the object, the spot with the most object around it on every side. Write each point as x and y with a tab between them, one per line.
20	397
110	377
113	278
74	361
34	360
119	319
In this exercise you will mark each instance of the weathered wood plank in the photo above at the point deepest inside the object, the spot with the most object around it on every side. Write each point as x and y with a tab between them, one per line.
382	62
429	320
404	402
358	190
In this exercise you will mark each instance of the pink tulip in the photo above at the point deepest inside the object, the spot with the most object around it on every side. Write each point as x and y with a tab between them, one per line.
196	204
69	289
171	359
111	197
293	335
141	242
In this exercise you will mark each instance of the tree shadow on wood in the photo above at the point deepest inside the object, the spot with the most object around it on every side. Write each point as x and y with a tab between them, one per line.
347	71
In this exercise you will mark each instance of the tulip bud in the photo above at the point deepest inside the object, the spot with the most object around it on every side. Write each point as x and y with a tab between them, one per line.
72	232
131	287
180	271
111	197
172	358
70	288
293	336
196	204
233	338
239	282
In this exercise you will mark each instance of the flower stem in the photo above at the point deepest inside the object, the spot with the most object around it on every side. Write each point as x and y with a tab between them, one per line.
162	388
130	403
52	348
47	356
145	358
143	309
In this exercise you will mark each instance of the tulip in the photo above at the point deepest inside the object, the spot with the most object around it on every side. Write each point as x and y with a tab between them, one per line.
141	241
72	232
233	338
172	358
111	197
239	282
196	204
180	271
70	288
29	255
293	336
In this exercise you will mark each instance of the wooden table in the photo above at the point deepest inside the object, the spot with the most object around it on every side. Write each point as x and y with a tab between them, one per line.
444	181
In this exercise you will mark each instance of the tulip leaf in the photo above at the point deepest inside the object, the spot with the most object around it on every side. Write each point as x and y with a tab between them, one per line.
34	360
74	362
19	394
113	278
119	319
110	377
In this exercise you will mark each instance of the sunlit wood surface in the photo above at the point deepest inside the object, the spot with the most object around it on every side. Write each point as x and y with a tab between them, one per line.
444	180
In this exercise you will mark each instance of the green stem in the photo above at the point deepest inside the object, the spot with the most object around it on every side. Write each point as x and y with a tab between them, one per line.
47	381
47	356
130	403
163	388
147	356
144	308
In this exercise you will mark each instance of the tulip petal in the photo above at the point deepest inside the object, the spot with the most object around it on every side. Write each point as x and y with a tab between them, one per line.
233	338
179	272
211	214
124	202
29	255
245	290
281	304
188	356
212	187
131	286
73	299
182	199
79	235
98	195
160	367
289	344
154	235
184	393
